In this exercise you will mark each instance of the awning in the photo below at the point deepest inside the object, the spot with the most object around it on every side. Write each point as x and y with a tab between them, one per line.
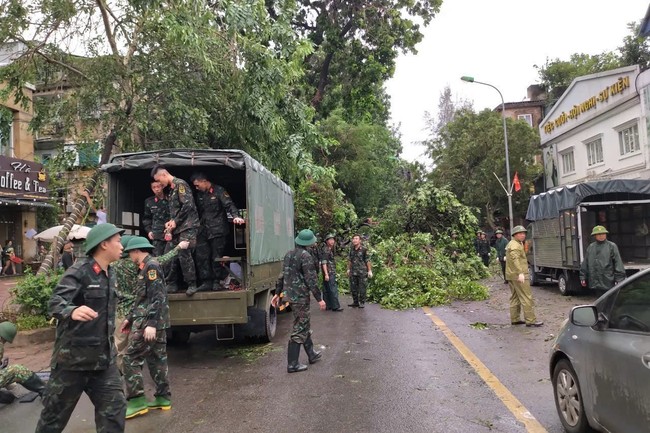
28	203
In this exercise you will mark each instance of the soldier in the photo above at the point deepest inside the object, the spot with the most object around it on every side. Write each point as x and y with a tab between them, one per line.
299	278
127	279
213	203
146	324
182	226
328	264
500	245
517	276
14	373
359	270
602	267
483	248
156	214
83	357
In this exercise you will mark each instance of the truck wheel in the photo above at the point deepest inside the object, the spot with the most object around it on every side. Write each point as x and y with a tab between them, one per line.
568	283
180	337
532	275
270	324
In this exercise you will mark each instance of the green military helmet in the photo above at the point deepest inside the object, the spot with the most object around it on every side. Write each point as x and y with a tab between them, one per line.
305	238
599	230
498	232
138	243
124	240
330	236
98	234
8	331
518	229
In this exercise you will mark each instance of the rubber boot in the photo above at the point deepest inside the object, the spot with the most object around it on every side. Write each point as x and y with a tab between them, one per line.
311	353
160	403
34	384
191	289
206	286
293	354
136	406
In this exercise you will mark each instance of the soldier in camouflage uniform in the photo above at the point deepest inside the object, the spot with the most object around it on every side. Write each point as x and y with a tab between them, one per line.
146	324
214	204
127	280
299	279
83	357
328	264
156	214
182	226
359	270
15	373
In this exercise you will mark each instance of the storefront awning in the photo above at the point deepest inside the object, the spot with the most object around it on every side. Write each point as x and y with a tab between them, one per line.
18	202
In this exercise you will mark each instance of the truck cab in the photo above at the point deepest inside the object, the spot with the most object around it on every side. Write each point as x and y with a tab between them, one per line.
257	248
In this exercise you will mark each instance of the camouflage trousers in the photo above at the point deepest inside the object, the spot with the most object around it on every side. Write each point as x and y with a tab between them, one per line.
183	263
301	323
159	246
207	250
62	393
331	293
14	373
155	354
121	343
358	286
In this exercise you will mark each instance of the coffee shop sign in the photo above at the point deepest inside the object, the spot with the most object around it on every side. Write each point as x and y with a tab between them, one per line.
22	179
603	96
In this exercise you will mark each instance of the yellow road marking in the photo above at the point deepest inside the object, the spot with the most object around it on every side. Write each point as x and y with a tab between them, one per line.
509	400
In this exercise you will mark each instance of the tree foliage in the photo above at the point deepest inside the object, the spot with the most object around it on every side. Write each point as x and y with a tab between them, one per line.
635	49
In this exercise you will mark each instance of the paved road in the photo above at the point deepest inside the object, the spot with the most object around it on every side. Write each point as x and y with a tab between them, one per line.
382	371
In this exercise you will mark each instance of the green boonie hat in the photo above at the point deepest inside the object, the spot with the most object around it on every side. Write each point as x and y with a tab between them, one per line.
138	243
599	230
98	234
498	232
8	331
330	236
518	229
305	238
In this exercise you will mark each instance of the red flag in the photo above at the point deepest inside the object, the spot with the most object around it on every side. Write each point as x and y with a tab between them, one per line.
515	182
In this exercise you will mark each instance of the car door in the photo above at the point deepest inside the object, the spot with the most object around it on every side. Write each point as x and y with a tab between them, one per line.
621	365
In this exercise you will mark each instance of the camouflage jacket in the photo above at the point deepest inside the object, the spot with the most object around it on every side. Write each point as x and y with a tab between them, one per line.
2	351
214	206
327	259
126	273
181	206
156	214
150	307
358	261
299	276
84	345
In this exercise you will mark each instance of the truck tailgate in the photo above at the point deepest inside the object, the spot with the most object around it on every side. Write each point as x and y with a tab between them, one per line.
208	308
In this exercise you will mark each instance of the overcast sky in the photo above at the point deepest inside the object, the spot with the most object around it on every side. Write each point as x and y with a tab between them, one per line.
498	42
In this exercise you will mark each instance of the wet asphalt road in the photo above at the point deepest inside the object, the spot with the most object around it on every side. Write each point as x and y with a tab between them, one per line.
382	371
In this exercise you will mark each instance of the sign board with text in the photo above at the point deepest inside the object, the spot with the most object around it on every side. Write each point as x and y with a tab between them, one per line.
21	179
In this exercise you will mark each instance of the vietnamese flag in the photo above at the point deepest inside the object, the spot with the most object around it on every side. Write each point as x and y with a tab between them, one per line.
515	182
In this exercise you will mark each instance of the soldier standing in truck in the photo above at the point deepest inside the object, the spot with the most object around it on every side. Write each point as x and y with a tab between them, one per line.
182	226
156	214
213	204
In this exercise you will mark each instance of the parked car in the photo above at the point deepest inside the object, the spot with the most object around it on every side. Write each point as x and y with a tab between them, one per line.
600	362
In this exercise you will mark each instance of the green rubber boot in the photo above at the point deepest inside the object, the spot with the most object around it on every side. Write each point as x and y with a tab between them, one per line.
136	406
161	403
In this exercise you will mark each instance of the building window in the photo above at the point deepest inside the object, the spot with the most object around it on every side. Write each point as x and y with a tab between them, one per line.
628	140
6	135
568	163
594	151
528	118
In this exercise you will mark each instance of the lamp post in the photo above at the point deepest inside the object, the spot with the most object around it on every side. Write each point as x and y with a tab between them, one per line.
505	139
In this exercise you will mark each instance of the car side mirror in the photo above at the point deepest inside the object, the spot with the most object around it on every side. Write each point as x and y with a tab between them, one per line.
584	315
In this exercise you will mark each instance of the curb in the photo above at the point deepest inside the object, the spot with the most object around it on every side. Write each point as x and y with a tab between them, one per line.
34	336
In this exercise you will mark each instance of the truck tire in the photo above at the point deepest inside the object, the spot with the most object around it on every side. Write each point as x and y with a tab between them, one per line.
270	323
179	337
532	275
568	283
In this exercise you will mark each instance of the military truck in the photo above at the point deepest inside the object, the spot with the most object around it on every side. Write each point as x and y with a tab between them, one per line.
257	247
562	220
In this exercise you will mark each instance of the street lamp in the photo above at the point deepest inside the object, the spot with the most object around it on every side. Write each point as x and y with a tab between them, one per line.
505	139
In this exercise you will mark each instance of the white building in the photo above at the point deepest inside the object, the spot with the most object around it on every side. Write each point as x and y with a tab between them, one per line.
599	129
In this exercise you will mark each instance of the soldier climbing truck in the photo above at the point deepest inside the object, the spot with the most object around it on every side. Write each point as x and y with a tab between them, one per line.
562	220
255	250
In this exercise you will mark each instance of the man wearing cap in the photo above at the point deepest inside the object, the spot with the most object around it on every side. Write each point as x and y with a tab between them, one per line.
126	273
156	214
602	267
500	245
328	264
517	275
84	351
214	204
299	279
182	226
146	323
359	270
14	373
